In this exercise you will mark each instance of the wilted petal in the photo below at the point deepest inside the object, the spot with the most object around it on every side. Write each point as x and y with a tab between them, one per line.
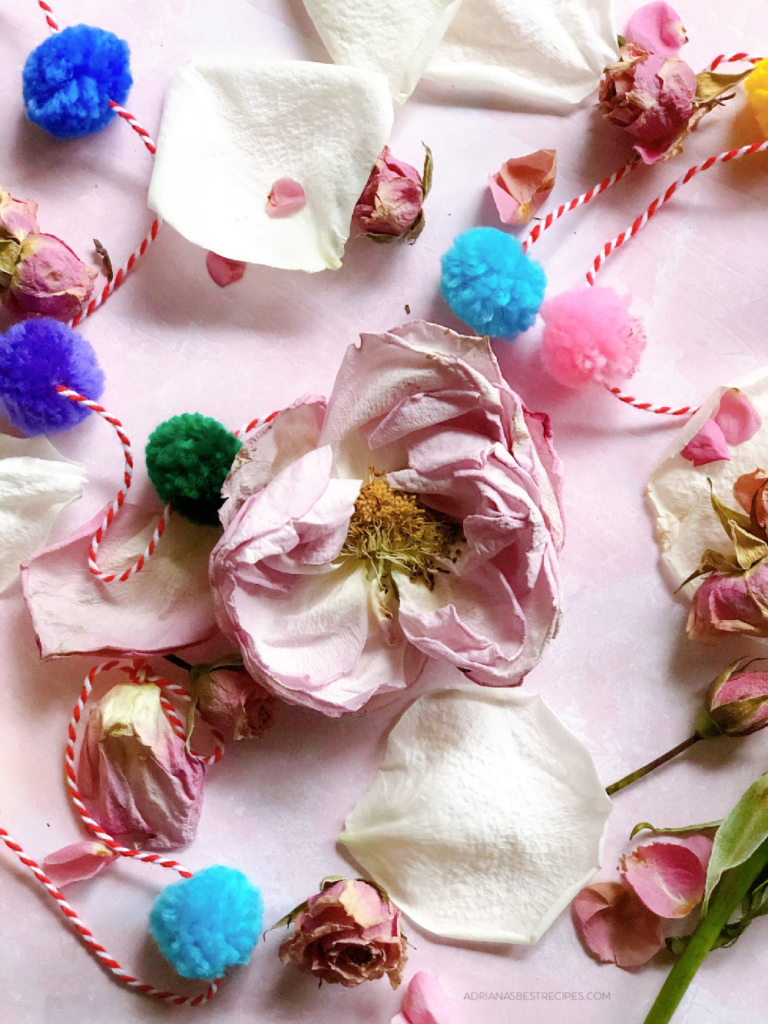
165	607
222	271
657	28
737	417
286	196
522	185
709	445
36	483
489	787
669	877
425	1002
730	604
616	926
77	863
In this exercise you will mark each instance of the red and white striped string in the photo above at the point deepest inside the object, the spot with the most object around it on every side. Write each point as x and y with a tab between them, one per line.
139	674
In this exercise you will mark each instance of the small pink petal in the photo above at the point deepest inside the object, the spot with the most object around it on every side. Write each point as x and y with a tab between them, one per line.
77	862
669	877
287	196
615	926
522	185
737	417
224	271
709	445
657	28
425	1002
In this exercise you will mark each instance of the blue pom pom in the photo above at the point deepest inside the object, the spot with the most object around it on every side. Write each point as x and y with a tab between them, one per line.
207	923
491	284
71	77
35	357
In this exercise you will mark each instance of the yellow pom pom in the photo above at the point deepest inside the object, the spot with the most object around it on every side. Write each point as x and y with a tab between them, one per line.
757	94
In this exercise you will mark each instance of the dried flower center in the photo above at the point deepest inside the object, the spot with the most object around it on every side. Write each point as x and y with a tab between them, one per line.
393	530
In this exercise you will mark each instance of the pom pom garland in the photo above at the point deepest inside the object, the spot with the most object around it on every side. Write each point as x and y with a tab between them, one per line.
207	923
590	336
490	283
36	357
188	458
70	79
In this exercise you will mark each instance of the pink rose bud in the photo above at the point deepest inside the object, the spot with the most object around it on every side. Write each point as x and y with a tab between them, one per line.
652	97
230	699
49	280
657	28
391	203
347	934
135	775
522	185
736	704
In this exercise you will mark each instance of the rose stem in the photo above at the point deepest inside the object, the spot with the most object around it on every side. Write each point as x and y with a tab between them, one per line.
730	891
648	768
177	661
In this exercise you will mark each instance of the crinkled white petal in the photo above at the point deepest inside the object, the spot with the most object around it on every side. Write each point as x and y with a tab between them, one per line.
486	818
550	51
396	37
686	524
36	482
232	126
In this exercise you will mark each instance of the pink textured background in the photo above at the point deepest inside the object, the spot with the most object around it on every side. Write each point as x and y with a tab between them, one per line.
621	673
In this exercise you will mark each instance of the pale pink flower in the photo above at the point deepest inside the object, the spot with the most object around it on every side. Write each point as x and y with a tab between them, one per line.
77	862
425	1002
657	28
135	776
391	202
417	515
669	875
347	934
522	185
49	280
615	924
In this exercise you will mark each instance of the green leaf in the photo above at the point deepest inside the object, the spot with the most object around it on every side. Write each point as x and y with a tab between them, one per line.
710	85
713	561
647	826
742	832
10	252
750	550
288	920
729	517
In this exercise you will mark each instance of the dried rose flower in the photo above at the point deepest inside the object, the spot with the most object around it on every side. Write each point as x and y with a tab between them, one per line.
135	775
391	205
522	185
48	279
736	703
652	97
230	699
347	934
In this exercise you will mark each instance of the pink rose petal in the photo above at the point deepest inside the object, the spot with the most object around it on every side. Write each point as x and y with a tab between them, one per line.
77	862
669	877
709	445
616	926
737	417
166	607
522	185
657	28
286	197
224	271
425	1002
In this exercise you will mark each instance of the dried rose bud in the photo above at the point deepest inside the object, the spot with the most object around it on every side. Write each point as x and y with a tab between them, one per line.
522	185
347	934
49	280
135	775
652	97
736	704
392	200
230	699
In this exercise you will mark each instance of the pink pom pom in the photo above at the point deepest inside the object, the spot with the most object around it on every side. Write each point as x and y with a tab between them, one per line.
590	336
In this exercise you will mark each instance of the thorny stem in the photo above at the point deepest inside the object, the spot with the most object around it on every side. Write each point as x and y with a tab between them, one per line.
648	768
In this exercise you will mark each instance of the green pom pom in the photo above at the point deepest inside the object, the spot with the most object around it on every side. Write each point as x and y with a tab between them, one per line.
188	458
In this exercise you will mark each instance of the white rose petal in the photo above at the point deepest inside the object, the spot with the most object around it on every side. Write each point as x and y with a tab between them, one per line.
486	818
233	126
36	483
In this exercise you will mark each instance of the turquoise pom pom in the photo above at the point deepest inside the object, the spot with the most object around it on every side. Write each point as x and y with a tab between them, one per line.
71	77
207	923
491	284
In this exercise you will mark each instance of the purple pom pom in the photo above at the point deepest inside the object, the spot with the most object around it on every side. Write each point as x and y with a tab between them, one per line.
35	357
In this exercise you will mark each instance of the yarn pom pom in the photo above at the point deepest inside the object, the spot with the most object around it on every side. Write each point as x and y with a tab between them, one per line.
188	458
590	336
207	923
35	357
71	77
757	94
491	284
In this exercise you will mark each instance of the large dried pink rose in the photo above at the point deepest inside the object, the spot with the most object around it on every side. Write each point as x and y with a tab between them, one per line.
347	934
652	97
391	202
135	776
417	515
49	280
